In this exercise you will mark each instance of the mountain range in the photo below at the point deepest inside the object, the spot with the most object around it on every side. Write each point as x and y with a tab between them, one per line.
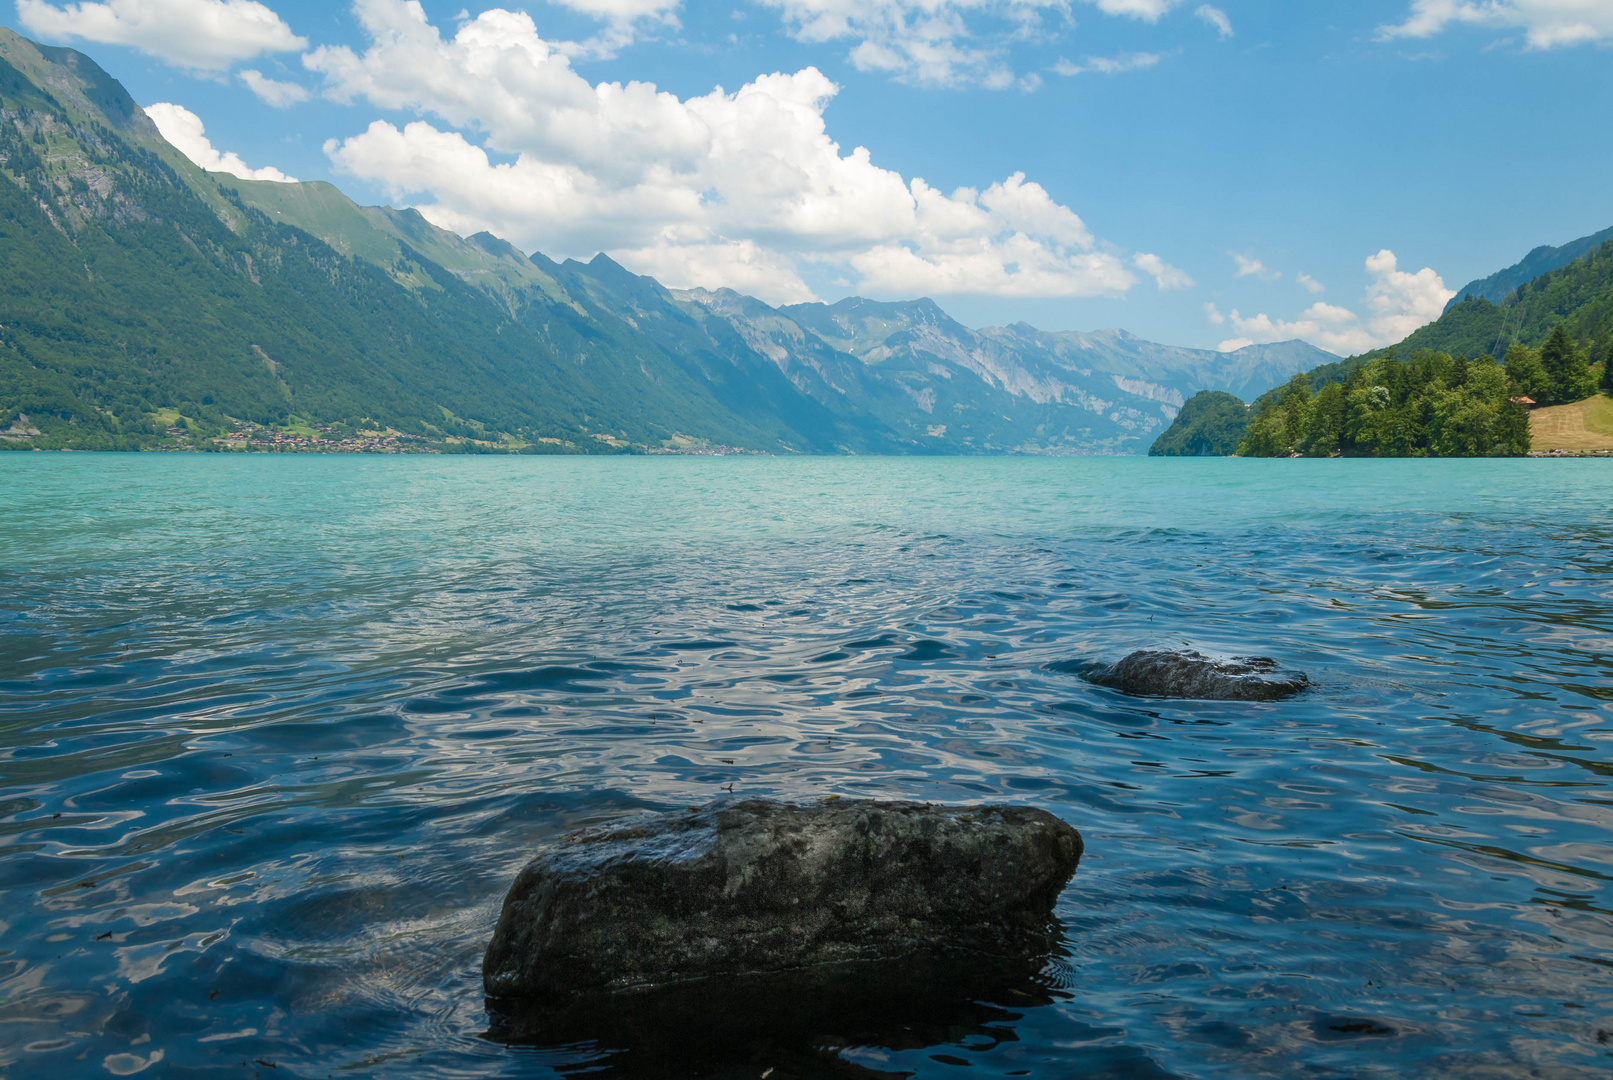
143	300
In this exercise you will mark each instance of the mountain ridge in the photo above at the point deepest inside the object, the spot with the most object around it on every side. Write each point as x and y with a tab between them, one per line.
276	303
1542	260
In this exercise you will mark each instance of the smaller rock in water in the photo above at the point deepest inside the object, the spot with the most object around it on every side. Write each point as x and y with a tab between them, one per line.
1187	674
755	886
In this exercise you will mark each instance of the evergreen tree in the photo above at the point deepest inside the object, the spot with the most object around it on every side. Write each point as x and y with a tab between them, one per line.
1513	430
1565	368
1528	377
1281	427
1328	415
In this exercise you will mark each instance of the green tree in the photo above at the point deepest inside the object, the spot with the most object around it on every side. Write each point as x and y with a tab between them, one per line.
1515	439
1280	428
1528	376
1328	415
1371	419
1264	437
1468	420
1566	368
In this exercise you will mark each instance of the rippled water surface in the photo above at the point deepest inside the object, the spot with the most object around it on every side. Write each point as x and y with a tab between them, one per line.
277	731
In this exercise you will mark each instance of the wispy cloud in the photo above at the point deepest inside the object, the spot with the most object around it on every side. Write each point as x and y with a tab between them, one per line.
1547	24
1165	275
273	91
942	42
1249	267
1108	65
1216	18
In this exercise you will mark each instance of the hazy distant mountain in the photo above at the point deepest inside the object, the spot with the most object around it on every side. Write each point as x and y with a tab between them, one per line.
133	284
1015	387
1252	369
1541	260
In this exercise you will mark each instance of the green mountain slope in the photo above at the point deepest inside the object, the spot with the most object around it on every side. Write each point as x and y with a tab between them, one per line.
147	303
382	236
130	285
1579	295
1210	425
1542	260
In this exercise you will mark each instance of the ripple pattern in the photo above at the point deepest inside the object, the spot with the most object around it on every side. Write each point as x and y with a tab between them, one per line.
277	732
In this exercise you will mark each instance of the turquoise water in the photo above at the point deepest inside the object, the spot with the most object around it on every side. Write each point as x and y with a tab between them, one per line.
277	731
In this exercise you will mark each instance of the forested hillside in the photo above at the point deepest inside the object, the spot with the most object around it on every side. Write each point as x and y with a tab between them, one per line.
1440	392
1578	297
1210	425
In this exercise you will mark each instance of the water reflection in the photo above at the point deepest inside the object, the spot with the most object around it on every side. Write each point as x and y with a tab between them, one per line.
838	1020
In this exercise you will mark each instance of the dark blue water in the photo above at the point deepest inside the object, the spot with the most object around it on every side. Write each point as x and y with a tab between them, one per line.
276	732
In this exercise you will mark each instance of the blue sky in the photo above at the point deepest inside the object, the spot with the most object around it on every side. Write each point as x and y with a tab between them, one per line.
1197	174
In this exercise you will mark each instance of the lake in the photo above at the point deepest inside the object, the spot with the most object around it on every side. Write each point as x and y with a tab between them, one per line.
277	731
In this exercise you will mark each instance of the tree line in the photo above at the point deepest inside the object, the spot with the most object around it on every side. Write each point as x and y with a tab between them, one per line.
1435	405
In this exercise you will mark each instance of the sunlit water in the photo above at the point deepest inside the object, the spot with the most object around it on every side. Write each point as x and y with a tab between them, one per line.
276	732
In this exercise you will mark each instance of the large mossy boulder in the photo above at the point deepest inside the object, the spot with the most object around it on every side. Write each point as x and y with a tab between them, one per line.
742	887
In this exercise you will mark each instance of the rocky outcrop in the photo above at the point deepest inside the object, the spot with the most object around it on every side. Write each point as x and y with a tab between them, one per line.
752	886
1187	674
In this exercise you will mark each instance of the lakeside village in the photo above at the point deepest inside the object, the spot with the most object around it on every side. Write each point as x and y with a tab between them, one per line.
177	436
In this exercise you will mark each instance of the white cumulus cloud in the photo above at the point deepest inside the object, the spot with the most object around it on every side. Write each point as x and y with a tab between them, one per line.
1546	23
744	189
204	35
1398	302
273	91
1216	18
184	130
1310	284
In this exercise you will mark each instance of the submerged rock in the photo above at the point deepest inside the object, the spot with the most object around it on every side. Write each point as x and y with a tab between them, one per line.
754	886
1187	674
